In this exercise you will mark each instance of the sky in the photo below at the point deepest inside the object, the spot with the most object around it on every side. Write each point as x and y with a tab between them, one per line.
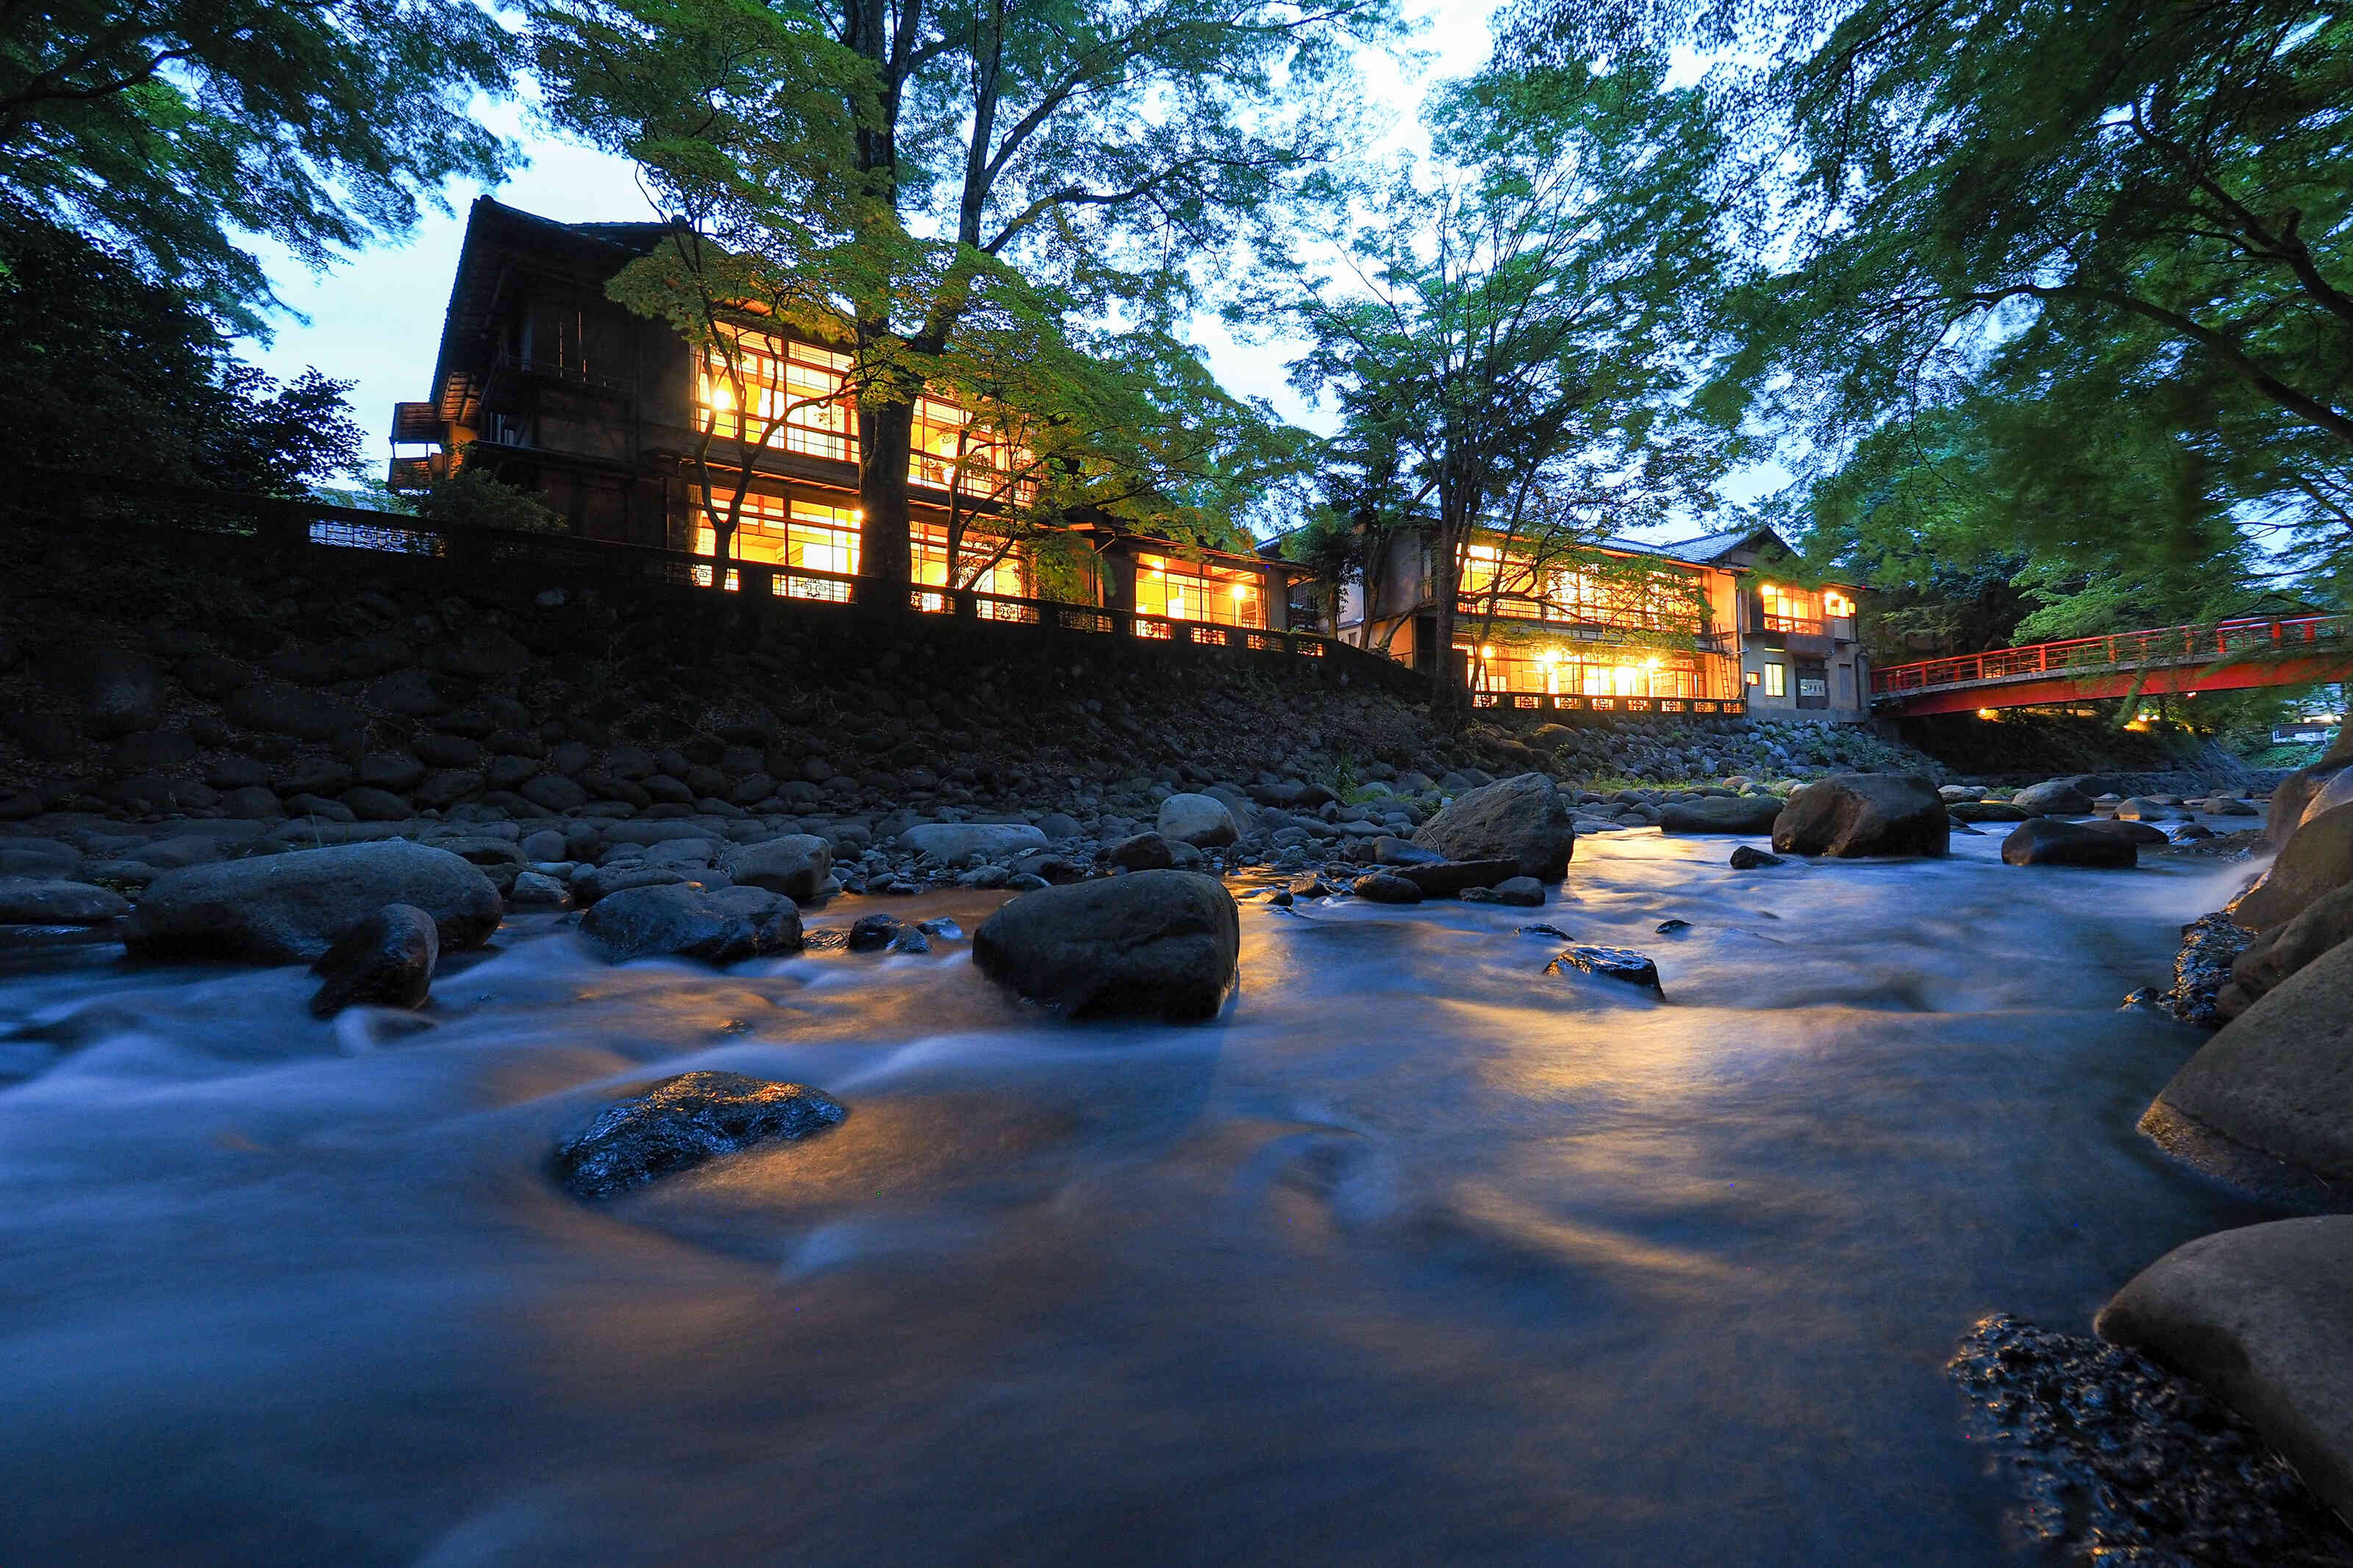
375	319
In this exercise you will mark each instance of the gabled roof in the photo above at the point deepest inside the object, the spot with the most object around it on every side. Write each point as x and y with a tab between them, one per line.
1707	549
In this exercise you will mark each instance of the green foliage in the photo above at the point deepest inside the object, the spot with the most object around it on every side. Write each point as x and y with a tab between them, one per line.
174	130
1511	352
960	195
103	372
473	497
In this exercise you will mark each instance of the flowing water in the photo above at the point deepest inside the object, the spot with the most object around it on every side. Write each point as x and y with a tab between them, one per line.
1419	1257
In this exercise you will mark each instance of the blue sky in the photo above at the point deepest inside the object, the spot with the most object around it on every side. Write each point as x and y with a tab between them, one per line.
375	319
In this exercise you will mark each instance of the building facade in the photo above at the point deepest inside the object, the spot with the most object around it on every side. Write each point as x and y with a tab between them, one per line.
1704	626
545	382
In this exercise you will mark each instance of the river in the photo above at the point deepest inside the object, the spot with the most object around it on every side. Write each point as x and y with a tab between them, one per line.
1419	1257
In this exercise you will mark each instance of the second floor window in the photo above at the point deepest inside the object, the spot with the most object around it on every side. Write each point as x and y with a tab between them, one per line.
787	395
1184	591
1789	609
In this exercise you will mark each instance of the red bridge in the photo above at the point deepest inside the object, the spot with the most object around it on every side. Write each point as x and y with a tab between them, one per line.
2228	656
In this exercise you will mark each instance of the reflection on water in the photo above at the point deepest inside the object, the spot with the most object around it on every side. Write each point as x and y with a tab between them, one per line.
1419	1256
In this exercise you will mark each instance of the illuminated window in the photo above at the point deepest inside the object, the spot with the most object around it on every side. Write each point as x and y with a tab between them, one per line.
931	546
1789	609
1836	606
1187	591
1570	670
949	446
811	536
1777	679
784	394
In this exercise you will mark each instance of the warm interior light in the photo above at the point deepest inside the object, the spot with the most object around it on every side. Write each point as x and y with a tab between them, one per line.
1552	655
1651	663
1987	713
722	397
1487	652
1241	590
1754	678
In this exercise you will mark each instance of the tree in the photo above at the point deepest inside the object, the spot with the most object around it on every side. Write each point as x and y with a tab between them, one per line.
2049	204
104	372
1518	329
169	129
919	175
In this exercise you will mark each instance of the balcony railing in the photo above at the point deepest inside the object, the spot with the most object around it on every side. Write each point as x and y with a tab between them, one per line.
572	373
1795	624
1577	620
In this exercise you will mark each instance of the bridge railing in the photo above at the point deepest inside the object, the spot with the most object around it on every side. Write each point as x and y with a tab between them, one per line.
2223	640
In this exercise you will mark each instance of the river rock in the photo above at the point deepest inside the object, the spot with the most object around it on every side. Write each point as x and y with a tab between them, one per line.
36	858
290	908
1200	820
796	865
1718	813
2316	859
2279	953
536	890
957	841
1852	815
1445	878
1986	811
2054	797
2131	832
681	1121
1617	963
2263	1316
674	920
2273	1082
1521	892
281	708
1141	852
1386	887
2053	841
386	959
1521	819
112	690
1749	857
47	902
1390	851
1150	943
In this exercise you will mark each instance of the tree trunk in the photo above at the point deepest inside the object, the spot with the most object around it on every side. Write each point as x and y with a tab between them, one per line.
1450	699
885	551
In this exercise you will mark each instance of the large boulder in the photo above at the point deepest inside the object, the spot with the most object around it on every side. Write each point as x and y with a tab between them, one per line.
387	959
2053	841
2263	1316
290	908
796	865
956	841
1445	878
2054	797
1386	887
1521	819
681	1121
1852	815
1150	943
2284	950
2295	797
1200	820
677	920
1720	814
2316	859
2277	1080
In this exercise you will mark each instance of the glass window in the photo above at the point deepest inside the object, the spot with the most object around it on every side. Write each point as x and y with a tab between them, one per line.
950	447
794	531
1789	609
931	546
1592	672
789	394
1187	590
1777	679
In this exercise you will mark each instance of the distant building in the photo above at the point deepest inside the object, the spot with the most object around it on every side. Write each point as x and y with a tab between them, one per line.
550	386
1703	626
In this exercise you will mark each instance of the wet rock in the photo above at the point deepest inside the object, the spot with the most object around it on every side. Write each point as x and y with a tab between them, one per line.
673	919
942	928
796	865
1390	851
1848	815
1141	852
1671	928
1718	814
47	902
2050	841
1445	878
2202	969
2055	798
1522	819
1151	943
2262	1315
2273	1084
36	858
1200	820
2263	962
2133	833
385	960
1059	825
281	708
2316	859
290	907
871	933
1749	857
2191	833
1986	811
2115	1460
680	1123
1619	964
536	890
957	841
1521	892
1386	887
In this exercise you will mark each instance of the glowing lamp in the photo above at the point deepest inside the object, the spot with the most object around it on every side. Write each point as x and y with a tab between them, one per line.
1989	713
1241	591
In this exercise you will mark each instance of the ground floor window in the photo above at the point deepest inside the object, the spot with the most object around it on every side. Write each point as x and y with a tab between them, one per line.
814	535
1777	679
1190	591
1006	576
1589	672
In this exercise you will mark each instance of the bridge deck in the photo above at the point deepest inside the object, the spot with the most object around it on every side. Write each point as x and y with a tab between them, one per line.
2227	656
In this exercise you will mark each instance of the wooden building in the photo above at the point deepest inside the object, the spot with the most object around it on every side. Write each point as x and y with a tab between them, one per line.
548	384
